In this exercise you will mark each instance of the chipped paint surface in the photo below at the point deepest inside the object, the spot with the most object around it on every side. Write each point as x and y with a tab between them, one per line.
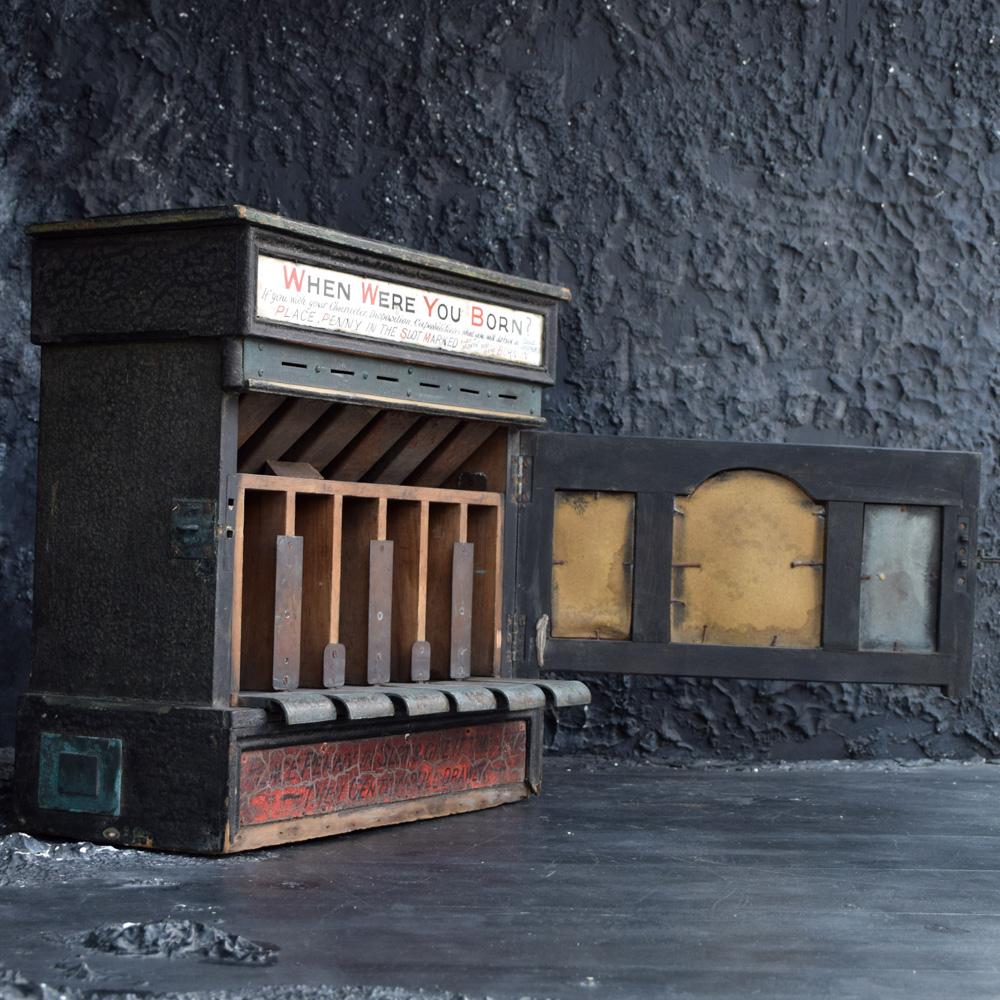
319	778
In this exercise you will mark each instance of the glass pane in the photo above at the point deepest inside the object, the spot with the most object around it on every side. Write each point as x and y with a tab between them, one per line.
592	546
900	563
747	563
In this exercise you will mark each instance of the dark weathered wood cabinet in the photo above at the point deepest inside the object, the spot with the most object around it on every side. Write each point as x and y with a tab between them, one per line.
303	548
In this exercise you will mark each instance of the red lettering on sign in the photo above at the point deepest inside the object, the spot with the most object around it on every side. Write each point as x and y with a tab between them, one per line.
368	292
429	303
295	278
477	316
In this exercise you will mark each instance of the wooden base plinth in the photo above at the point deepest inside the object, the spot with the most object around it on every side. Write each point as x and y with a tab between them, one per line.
217	781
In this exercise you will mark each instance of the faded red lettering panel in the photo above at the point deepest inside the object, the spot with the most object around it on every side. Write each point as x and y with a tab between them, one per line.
314	779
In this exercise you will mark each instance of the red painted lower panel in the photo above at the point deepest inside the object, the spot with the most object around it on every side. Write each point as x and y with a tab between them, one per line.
318	778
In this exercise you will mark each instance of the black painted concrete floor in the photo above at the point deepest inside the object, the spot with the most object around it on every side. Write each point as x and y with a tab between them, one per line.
863	880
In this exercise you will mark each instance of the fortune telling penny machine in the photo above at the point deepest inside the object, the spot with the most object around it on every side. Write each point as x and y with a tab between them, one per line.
303	548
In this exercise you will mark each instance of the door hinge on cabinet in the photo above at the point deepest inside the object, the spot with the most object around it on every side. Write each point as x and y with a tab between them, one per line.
541	638
520	480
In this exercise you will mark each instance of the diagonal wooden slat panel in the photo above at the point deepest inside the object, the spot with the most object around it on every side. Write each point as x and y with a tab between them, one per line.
370	445
279	433
255	408
452	453
328	437
413	449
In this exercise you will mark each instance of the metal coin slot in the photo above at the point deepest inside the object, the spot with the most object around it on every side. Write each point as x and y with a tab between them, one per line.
274	370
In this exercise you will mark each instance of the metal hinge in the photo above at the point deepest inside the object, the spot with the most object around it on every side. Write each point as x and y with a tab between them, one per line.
520	480
515	641
541	638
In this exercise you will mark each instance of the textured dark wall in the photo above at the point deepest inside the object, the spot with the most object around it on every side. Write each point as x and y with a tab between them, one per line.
779	220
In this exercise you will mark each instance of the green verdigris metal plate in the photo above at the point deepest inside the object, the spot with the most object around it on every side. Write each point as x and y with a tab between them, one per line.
80	773
192	529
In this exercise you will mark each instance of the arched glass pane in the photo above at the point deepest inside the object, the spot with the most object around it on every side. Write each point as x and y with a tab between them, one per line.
747	563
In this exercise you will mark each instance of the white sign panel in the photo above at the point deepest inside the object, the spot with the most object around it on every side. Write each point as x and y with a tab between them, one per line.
323	299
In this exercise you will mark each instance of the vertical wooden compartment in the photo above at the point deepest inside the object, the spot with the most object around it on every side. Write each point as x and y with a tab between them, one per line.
286	654
318	519
446	526
380	577
266	515
485	534
400	583
407	528
360	528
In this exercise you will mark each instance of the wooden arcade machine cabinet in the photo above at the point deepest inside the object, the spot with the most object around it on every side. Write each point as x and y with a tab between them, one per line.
302	549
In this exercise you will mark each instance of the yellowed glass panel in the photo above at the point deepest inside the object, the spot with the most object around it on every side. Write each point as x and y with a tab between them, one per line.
592	544
748	553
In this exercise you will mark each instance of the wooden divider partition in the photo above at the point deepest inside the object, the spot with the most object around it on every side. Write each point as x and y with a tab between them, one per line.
363	583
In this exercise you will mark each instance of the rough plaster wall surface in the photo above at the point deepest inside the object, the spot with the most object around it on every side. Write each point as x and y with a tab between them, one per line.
778	219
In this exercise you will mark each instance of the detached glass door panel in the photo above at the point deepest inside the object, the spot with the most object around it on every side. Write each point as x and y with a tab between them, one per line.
791	562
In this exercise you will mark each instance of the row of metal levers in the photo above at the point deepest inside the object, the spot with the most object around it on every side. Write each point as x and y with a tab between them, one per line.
478	694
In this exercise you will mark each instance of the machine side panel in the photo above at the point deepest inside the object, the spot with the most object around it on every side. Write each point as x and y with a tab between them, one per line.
130	436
